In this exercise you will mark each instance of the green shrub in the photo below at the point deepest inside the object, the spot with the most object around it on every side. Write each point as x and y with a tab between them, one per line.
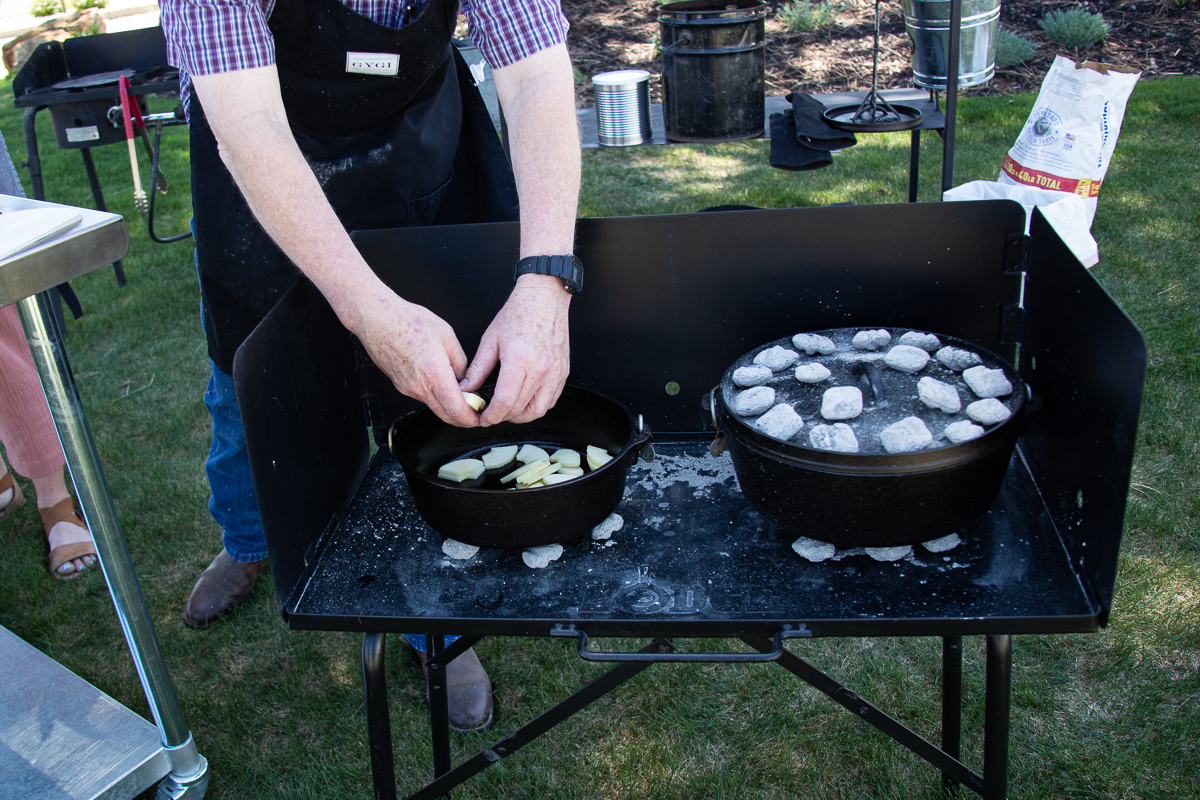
804	15
1013	49
44	8
1074	27
85	4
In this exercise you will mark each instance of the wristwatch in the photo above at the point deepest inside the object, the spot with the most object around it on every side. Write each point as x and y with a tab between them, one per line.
568	269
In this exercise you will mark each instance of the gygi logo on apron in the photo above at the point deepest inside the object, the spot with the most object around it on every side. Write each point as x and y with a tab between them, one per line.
373	63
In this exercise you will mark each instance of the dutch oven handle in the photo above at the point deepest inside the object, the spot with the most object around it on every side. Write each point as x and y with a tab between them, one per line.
397	422
641	443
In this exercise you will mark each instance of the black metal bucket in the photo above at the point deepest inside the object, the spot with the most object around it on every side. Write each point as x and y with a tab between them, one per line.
714	60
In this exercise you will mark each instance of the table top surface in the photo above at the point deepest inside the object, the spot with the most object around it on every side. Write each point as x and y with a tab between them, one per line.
692	558
99	239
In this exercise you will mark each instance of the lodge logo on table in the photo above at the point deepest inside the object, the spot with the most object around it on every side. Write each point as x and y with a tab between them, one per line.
373	63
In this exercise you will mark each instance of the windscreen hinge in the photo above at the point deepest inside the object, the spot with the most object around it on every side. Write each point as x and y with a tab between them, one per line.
1016	253
1012	325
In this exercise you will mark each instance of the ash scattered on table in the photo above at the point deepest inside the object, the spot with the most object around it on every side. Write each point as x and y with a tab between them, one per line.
698	473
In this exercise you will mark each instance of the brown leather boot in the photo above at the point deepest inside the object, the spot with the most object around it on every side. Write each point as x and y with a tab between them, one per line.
225	584
469	693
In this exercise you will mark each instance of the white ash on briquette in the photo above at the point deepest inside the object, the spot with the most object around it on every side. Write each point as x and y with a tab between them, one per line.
943	544
838	437
842	402
818	551
753	402
906	436
988	412
906	358
540	557
781	422
812	373
604	531
935	393
457	550
958	359
962	431
812	550
926	341
888	553
941	396
777	359
814	343
987	382
871	340
752	376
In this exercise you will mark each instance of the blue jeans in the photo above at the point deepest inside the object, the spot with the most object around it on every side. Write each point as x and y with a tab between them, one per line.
233	503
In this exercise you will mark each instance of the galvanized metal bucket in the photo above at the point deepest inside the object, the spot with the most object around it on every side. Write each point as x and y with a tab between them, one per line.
714	63
928	23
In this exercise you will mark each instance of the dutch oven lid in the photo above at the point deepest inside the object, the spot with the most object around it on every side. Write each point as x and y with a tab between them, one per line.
936	373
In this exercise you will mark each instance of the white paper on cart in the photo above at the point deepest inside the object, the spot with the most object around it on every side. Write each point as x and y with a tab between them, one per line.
1067	213
21	230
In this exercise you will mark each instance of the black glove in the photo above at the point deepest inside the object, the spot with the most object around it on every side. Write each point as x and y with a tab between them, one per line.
811	127
786	150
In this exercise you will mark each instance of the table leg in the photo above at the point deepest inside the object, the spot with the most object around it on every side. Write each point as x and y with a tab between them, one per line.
914	164
439	707
996	717
951	95
32	158
379	719
951	706
89	166
189	770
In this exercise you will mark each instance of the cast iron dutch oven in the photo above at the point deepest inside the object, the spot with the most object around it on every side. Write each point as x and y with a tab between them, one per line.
500	517
870	499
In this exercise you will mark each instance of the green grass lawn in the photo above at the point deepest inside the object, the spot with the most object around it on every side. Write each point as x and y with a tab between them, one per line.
280	714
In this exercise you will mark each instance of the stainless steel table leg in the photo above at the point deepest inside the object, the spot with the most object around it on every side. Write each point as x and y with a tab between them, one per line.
189	770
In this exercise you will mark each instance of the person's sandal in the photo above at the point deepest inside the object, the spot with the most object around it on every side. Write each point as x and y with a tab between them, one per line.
7	482
64	511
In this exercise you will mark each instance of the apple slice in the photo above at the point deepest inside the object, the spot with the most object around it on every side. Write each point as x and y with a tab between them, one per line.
519	471
499	456
532	452
476	402
462	470
597	457
568	458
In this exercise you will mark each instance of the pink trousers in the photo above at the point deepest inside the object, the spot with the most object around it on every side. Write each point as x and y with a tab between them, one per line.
26	428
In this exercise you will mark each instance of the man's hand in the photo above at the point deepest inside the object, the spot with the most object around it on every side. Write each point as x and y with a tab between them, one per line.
530	340
418	350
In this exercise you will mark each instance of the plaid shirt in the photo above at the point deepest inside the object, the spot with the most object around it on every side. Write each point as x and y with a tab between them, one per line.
210	36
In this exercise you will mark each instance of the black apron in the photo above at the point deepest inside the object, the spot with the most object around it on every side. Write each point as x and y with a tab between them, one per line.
389	152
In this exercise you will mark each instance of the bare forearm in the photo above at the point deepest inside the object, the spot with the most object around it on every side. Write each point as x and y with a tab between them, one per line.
538	96
261	154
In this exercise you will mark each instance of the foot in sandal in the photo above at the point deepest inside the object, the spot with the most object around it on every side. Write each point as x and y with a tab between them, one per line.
71	547
10	494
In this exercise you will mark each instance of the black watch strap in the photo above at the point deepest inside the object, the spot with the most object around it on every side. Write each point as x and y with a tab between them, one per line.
568	269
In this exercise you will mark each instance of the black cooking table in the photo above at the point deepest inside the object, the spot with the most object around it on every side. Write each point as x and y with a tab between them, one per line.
671	301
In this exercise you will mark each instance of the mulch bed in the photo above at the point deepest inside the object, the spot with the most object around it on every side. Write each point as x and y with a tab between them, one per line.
1157	37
